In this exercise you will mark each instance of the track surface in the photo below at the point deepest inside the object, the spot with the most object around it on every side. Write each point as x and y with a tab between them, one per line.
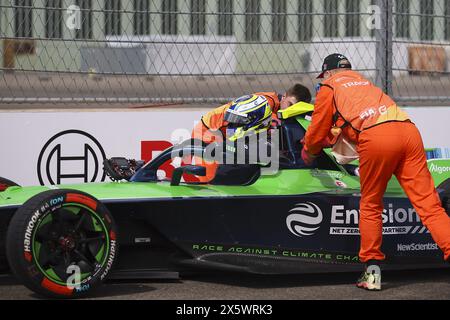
405	285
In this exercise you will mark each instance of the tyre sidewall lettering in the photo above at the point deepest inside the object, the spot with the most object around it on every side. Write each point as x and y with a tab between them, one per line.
49	205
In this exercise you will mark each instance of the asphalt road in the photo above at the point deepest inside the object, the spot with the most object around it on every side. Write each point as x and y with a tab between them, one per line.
397	285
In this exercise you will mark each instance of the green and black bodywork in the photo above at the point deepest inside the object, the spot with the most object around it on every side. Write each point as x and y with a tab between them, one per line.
302	219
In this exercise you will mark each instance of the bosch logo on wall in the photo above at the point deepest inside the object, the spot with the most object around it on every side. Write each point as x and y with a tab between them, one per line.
71	156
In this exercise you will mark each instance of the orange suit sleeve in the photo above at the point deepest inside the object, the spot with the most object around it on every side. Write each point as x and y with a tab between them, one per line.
273	98
322	121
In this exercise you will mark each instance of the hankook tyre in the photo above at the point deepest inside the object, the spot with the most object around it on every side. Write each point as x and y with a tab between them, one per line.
62	243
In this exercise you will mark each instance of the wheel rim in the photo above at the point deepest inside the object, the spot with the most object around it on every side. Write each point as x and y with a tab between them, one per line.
72	235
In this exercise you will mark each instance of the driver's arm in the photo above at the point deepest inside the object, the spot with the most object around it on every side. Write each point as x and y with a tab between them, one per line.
210	125
322	121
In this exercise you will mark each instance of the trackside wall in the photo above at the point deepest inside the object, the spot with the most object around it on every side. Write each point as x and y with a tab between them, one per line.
69	146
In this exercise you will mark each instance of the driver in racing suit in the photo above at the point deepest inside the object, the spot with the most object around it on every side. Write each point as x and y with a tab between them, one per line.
388	144
213	126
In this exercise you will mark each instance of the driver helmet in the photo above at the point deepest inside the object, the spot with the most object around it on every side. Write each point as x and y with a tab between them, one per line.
248	114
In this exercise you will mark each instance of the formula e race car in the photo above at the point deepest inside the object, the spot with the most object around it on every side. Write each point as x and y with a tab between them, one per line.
63	241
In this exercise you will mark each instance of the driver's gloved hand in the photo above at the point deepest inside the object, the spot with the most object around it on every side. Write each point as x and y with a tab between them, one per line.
307	157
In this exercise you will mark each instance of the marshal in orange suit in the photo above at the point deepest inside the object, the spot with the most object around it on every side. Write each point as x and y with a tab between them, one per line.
388	144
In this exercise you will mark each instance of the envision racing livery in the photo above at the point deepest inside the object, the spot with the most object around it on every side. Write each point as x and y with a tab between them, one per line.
65	240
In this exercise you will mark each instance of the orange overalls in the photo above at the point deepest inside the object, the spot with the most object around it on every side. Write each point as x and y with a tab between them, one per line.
388	143
212	128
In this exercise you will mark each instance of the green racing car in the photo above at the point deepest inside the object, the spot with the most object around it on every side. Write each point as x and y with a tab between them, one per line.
65	240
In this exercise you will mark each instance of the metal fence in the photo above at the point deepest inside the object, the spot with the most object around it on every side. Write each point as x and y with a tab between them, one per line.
184	51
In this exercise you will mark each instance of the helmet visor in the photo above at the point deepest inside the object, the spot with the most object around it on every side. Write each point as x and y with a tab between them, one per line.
236	118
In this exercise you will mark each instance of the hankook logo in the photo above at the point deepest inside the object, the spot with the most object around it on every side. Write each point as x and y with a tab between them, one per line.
71	156
304	219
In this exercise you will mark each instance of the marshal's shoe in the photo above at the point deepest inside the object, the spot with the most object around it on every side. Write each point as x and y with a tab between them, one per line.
370	279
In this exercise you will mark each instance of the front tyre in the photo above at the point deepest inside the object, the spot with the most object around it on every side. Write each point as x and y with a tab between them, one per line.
62	243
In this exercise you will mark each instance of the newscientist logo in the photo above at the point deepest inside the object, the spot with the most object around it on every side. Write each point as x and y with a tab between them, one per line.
305	219
417	247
